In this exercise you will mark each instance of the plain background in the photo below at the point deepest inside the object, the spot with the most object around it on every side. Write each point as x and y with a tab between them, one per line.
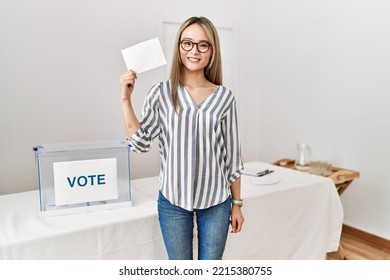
303	71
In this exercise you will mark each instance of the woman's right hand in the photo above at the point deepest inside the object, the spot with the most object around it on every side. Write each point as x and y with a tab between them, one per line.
127	81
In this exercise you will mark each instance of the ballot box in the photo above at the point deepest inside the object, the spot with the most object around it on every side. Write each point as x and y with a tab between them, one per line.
83	176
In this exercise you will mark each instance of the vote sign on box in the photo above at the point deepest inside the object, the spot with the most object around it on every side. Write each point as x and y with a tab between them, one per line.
85	181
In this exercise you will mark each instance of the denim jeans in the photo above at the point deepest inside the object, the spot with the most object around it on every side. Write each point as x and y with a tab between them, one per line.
177	227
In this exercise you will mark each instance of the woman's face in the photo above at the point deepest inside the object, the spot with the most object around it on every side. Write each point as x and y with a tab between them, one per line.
195	59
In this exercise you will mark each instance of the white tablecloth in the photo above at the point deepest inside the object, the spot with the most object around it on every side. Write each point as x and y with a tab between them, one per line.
298	218
126	233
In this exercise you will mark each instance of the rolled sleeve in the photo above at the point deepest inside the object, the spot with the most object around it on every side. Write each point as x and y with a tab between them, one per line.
141	140
233	146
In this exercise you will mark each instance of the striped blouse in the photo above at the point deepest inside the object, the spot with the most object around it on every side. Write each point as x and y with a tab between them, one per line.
199	145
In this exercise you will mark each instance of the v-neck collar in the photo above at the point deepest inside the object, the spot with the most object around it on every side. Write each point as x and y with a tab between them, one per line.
192	101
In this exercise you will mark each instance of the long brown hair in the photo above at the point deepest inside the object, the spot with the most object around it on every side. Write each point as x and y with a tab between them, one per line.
213	71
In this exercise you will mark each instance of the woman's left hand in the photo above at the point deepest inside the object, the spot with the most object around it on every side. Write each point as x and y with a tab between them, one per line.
237	218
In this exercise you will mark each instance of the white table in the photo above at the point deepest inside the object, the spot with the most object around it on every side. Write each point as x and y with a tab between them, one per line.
298	218
126	233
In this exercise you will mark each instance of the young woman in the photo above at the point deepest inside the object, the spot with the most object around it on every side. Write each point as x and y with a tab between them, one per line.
195	120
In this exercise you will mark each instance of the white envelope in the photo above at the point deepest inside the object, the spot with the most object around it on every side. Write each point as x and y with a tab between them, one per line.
144	56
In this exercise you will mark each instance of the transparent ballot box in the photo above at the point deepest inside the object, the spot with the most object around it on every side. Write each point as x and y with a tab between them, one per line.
84	176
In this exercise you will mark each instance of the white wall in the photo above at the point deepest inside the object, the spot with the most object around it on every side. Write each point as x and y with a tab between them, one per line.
60	68
322	73
306	71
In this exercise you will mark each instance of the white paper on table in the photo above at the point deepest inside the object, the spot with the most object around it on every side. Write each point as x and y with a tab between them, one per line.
250	171
144	56
265	180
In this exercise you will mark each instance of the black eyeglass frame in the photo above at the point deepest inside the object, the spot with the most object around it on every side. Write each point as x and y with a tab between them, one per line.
193	44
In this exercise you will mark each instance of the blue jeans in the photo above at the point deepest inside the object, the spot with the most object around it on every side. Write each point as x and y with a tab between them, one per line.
177	227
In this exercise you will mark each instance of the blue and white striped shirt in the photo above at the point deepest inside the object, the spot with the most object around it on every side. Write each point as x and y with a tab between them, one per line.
199	145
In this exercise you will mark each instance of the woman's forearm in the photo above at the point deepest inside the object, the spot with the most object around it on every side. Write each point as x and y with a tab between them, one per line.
127	81
131	122
235	189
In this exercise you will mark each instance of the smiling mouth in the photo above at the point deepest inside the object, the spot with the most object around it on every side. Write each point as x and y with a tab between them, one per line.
192	59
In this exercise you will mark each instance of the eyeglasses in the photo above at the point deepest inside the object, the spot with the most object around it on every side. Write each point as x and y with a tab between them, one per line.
202	46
